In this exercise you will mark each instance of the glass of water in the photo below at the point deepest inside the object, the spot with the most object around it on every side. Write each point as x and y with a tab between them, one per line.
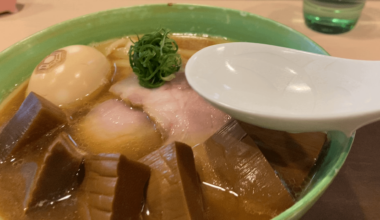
332	16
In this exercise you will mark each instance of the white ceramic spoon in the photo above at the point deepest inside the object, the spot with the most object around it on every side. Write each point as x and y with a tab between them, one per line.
287	89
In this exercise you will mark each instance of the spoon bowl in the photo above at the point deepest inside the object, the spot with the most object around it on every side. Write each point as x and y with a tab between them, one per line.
286	89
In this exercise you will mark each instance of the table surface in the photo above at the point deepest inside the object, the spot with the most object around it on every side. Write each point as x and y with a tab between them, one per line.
355	192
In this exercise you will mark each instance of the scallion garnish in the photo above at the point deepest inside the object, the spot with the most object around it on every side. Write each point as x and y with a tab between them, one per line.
154	58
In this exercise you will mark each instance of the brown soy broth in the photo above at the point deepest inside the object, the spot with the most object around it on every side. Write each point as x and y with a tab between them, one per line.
10	105
12	180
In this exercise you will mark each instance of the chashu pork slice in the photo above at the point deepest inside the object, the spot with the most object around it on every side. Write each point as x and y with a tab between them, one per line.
237	180
114	127
178	111
174	190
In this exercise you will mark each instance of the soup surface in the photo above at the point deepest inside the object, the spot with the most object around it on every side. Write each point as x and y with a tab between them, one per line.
243	171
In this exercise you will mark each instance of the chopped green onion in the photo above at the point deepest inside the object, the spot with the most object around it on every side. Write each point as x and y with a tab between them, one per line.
154	58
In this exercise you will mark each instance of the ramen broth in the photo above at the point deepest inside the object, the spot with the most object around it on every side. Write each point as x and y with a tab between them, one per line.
144	134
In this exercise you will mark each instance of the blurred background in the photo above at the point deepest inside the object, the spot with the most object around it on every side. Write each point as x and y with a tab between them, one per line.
355	192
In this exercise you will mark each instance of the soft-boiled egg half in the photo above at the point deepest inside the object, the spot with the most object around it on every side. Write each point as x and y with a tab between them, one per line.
70	75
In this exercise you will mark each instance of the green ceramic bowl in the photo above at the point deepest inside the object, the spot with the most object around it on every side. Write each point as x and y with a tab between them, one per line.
18	61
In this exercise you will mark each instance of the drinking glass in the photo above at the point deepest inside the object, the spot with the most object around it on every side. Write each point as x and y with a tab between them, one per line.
332	16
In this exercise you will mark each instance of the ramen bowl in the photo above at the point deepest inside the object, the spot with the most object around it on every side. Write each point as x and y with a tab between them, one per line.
18	61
